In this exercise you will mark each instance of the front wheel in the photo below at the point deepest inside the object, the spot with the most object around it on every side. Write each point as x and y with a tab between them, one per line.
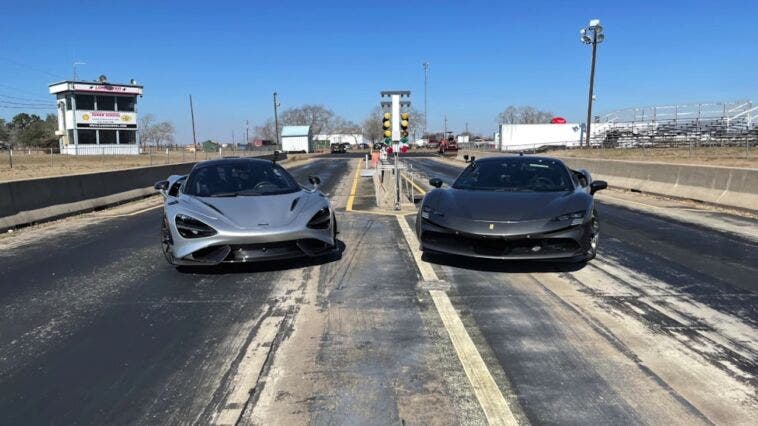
594	237
167	242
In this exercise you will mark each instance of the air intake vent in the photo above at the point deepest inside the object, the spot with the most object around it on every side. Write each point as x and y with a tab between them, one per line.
294	203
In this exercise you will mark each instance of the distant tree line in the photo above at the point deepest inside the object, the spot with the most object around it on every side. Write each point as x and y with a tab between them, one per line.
29	130
323	121
523	115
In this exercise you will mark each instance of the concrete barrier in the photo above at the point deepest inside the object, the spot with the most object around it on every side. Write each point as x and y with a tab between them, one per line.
24	202
724	186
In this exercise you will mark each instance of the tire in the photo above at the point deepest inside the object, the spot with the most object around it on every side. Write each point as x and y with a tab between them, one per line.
167	242
594	237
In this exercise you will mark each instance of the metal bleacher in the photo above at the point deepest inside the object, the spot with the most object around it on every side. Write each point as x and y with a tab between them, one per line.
715	124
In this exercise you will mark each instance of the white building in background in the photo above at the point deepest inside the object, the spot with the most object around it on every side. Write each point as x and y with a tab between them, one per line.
297	139
351	138
97	117
516	137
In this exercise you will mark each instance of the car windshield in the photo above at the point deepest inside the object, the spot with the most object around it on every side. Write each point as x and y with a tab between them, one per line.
515	174
239	178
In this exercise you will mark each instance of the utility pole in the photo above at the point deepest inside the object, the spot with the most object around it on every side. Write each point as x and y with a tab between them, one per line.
445	132
247	132
276	119
194	137
426	88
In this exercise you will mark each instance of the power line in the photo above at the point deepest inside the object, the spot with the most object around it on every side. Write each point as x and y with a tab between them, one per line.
26	107
16	89
24	99
46	104
29	67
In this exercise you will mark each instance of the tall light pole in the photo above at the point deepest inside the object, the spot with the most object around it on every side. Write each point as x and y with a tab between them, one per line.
426	87
593	35
276	118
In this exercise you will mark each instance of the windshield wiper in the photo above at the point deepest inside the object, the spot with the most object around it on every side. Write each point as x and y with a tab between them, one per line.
249	192
224	194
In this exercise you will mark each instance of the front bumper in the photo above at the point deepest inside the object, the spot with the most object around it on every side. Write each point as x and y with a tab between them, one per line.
567	243
240	247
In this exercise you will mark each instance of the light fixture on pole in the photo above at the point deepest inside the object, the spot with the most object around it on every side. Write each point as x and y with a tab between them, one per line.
592	35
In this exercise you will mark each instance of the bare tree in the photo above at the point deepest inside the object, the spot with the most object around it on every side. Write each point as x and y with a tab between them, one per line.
155	133
523	115
372	125
266	131
318	117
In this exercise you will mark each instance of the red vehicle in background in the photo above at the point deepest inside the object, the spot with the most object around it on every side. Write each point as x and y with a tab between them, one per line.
433	142
448	145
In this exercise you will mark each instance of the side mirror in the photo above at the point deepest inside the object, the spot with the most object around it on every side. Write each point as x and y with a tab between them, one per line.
473	159
276	155
597	185
435	182
465	158
161	186
314	180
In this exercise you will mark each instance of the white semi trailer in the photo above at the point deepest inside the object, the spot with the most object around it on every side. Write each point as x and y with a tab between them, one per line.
516	137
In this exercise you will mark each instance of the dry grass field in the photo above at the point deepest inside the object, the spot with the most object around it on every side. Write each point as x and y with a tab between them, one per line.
35	165
711	156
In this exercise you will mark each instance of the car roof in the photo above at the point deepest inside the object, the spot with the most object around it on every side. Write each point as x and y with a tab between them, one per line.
233	160
496	158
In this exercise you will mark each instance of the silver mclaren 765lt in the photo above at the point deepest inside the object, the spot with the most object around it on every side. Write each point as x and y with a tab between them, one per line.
519	207
236	210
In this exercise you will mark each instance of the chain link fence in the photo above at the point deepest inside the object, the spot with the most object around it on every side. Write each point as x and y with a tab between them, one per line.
23	163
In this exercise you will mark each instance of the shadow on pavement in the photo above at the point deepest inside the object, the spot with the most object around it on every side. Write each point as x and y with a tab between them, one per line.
509	266
265	266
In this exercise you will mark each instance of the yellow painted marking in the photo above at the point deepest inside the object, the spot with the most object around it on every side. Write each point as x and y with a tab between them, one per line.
418	188
351	198
484	386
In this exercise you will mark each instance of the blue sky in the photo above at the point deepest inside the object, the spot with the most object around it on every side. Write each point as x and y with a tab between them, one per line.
484	55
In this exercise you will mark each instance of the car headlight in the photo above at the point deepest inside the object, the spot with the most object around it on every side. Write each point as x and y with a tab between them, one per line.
427	212
321	219
576	218
189	227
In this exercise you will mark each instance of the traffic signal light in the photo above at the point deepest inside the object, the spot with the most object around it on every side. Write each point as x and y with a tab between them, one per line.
387	126
404	122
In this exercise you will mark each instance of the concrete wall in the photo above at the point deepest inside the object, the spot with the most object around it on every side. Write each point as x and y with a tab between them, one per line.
24	202
725	186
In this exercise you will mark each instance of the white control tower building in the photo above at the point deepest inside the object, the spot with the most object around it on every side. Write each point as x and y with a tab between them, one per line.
97	117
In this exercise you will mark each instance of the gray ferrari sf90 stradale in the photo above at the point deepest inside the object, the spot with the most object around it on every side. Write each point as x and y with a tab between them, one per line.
513	208
235	210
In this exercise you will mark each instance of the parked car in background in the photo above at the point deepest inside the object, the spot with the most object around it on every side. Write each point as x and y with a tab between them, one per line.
338	148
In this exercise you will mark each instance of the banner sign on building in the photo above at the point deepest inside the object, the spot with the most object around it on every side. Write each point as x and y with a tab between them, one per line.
106	119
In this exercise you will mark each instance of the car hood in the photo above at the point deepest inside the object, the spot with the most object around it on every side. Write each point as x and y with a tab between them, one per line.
496	206
248	212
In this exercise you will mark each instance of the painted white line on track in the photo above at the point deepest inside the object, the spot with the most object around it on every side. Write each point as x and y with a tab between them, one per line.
484	386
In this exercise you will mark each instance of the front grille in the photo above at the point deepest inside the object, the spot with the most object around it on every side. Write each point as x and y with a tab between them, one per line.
499	246
247	252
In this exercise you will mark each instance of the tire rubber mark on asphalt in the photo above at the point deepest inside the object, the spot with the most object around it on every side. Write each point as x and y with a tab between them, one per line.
135	213
485	388
248	371
351	198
